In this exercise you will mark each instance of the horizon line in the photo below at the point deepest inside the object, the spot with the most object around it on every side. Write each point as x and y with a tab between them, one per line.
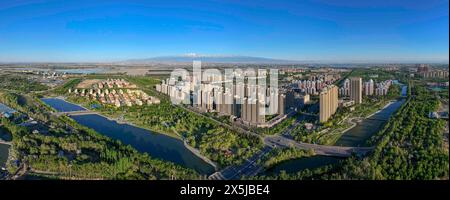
270	60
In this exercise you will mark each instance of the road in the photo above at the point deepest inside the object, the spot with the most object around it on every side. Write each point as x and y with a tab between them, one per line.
280	141
75	113
249	168
5	143
236	128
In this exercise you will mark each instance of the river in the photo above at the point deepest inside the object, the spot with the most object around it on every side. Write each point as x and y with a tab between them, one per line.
4	151
61	105
356	136
155	144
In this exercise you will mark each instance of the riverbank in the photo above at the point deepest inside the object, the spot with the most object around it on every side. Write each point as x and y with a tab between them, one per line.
368	126
354	136
350	122
117	120
353	124
385	106
175	136
198	154
135	131
5	154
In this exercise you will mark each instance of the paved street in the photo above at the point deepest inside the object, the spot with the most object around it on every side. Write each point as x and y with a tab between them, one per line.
248	168
338	151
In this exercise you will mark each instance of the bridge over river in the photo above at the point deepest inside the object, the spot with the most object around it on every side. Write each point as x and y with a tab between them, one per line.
78	112
250	167
323	150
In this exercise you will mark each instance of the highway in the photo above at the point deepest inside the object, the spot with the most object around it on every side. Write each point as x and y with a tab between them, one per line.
80	112
285	141
250	167
336	151
5	143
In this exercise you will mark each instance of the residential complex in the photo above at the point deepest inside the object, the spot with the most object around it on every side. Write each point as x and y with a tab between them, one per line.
370	88
116	92
315	83
244	101
328	102
356	90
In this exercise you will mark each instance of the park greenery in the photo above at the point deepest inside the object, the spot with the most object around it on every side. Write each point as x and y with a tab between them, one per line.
217	142
409	147
69	84
376	74
64	149
19	83
279	155
329	132
277	128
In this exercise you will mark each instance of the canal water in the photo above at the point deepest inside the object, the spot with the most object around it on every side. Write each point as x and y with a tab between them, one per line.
156	145
357	136
61	105
4	151
96	70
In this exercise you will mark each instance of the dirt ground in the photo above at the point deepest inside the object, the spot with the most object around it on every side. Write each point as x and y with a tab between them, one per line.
131	71
86	84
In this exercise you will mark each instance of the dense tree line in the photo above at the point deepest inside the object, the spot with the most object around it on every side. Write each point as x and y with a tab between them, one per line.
25	104
72	83
213	140
220	144
409	147
69	150
277	156
20	83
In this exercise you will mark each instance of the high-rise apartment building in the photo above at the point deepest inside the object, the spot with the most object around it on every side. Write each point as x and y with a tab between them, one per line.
356	90
369	87
328	102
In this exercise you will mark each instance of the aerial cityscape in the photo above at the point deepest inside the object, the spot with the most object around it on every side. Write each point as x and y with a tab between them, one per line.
283	90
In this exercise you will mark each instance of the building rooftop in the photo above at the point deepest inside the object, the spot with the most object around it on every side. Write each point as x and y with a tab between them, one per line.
6	109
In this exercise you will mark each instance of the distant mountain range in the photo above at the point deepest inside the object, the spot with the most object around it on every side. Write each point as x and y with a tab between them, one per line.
207	59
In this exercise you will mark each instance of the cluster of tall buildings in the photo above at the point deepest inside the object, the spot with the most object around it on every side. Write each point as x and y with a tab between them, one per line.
328	102
315	84
245	100
422	68
355	88
434	74
424	71
293	70
382	88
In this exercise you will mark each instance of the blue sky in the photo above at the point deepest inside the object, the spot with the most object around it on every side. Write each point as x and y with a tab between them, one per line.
328	30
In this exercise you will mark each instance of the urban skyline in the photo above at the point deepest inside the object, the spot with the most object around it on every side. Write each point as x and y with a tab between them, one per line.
249	92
